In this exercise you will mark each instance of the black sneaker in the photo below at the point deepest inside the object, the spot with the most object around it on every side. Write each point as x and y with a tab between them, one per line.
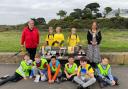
57	80
80	87
63	79
87	88
101	85
117	83
5	77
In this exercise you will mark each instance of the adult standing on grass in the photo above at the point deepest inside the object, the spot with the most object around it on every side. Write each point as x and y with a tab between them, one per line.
30	39
94	38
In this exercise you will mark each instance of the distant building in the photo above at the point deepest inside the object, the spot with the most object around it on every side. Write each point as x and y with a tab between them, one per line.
122	13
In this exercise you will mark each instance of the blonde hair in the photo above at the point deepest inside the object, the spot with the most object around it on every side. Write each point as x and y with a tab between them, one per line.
37	56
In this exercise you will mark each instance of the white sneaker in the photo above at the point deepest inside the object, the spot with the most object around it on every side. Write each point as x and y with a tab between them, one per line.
31	77
37	78
43	78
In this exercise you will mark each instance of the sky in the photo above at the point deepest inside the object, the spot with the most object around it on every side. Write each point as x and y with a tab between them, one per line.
14	12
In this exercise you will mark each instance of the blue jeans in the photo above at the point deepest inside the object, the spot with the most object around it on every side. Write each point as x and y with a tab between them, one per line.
101	80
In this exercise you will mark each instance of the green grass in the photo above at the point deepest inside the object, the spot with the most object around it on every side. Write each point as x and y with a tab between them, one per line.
113	41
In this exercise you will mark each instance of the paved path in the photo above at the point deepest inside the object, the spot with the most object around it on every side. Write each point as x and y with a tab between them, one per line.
120	71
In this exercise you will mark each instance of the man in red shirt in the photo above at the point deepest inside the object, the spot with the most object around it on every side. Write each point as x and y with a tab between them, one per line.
30	39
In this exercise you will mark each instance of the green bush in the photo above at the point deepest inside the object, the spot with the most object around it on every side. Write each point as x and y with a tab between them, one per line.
68	22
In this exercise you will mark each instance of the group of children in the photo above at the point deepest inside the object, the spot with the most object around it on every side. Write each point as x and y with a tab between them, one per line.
84	75
57	39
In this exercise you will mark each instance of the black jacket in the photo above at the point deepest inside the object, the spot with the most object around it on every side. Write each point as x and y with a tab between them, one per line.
90	37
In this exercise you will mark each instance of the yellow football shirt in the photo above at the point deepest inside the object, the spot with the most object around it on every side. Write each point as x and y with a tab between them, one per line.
90	70
50	39
73	40
59	38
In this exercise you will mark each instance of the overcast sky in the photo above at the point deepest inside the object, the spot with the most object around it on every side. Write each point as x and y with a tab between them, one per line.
19	11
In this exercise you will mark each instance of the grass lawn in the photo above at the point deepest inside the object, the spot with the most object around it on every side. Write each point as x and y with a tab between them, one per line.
112	41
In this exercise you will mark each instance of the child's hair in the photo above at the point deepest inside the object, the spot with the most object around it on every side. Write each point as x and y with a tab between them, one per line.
27	54
73	29
50	28
83	59
71	56
37	55
59	28
106	58
53	57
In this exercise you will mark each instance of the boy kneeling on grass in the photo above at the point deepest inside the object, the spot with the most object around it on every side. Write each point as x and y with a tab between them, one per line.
40	68
70	69
104	75
22	72
54	70
85	76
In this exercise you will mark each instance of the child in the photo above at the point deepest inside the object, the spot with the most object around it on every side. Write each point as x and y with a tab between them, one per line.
54	70
104	74
70	69
22	72
85	76
58	38
73	38
40	68
50	37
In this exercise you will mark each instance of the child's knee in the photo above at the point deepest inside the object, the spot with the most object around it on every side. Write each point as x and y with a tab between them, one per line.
75	78
93	80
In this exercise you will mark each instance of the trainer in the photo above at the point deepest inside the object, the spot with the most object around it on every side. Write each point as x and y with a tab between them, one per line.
30	39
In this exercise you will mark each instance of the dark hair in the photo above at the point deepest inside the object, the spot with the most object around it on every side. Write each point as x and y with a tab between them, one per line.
83	59
105	58
53	57
71	56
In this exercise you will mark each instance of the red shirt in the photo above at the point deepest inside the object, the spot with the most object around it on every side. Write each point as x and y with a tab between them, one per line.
30	37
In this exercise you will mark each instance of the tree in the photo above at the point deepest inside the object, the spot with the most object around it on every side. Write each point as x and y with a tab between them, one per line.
39	21
87	13
94	7
74	15
117	14
77	14
98	15
107	10
62	13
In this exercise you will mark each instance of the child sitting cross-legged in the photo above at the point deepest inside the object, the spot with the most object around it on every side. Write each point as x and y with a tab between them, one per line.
85	76
104	75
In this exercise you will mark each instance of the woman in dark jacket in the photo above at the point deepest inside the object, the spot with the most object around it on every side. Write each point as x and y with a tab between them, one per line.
94	38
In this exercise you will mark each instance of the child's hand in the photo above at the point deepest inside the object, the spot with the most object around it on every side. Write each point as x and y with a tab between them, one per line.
64	70
25	78
69	76
50	81
78	75
87	73
113	83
